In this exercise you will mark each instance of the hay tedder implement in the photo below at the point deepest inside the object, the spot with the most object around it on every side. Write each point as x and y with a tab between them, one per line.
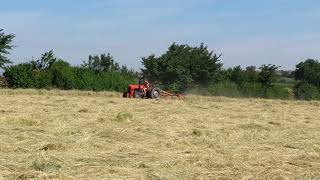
148	91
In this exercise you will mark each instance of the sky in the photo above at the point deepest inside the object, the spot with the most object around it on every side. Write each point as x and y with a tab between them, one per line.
245	32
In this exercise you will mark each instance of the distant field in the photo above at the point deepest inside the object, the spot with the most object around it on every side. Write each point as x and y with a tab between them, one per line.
86	135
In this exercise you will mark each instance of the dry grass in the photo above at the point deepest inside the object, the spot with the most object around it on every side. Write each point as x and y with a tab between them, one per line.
87	135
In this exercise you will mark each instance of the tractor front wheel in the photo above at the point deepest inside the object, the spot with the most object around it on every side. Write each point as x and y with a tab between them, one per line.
137	94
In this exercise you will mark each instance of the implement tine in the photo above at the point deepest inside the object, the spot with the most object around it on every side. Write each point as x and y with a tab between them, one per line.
172	95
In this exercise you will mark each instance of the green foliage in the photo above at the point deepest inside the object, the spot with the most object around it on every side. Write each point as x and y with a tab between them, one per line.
112	80
50	72
101	63
236	75
24	76
308	71
19	75
183	65
181	68
240	76
252	74
306	91
63	75
251	83
45	62
42	79
227	88
289	82
231	89
267	75
287	74
277	92
254	90
5	46
308	75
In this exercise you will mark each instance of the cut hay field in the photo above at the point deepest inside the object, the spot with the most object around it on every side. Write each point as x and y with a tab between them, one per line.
86	135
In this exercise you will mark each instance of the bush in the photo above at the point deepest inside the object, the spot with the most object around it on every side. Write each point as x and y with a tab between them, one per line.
19	75
252	90
231	89
306	91
42	79
228	89
63	76
278	92
24	76
236	75
255	90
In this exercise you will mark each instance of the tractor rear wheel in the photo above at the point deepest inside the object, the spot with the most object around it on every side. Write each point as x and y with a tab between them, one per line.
156	93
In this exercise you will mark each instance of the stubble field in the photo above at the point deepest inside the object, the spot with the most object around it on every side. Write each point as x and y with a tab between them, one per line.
86	135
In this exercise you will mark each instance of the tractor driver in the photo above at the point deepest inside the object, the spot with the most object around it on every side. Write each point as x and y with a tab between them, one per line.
146	87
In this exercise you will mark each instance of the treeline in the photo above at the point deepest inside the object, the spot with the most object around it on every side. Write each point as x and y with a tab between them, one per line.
97	74
198	70
182	68
251	82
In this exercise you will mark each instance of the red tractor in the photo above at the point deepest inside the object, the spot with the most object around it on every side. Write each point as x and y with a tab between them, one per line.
143	91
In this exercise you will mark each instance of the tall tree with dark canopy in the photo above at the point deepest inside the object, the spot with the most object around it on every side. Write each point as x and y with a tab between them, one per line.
267	75
307	74
183	65
5	46
308	71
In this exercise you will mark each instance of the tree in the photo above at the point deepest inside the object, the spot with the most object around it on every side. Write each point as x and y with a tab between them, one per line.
308	71
5	46
45	62
237	75
267	75
252	74
183	65
101	63
305	91
307	74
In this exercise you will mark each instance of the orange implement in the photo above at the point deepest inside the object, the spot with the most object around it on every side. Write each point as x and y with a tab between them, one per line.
172	95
